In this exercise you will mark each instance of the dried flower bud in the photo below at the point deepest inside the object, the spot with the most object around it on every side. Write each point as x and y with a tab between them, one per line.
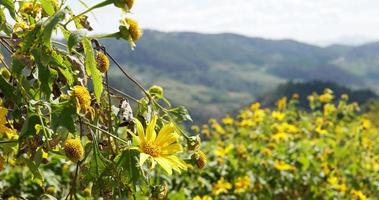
194	142
200	159
102	62
74	149
1	163
159	192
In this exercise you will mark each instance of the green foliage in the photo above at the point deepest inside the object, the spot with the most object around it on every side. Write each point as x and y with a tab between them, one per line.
59	139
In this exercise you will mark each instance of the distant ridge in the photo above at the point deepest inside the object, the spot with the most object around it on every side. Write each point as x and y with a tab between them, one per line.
216	73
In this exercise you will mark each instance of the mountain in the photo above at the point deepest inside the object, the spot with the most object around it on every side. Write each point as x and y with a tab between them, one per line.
213	74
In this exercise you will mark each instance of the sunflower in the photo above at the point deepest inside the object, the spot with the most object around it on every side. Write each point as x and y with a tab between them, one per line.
160	148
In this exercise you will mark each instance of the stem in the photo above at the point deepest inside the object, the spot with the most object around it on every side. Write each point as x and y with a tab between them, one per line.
43	128
130	77
99	5
109	114
106	132
9	141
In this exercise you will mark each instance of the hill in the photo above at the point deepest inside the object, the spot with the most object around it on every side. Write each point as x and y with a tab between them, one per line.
217	73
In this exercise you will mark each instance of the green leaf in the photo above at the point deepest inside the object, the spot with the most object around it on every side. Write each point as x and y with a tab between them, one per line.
75	38
91	69
28	128
48	6
46	75
34	169
10	6
62	115
51	24
128	162
181	113
7	89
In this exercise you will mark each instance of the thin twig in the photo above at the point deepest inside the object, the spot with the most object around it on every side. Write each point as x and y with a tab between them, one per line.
106	132
129	76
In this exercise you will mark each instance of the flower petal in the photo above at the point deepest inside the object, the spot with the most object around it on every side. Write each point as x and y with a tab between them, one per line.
171	149
166	135
142	158
140	130
150	132
165	164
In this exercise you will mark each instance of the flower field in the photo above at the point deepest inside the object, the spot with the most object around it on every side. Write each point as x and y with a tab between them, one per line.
328	152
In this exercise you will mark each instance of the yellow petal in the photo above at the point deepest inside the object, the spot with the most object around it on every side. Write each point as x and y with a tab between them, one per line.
180	164
142	158
171	149
150	132
140	130
166	135
165	164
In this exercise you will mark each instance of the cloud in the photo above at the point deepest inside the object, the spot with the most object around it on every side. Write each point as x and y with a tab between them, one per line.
305	20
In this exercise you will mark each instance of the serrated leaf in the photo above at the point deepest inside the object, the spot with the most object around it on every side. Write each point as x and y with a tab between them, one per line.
9	4
181	113
128	161
75	38
28	128
48	6
91	69
51	24
62	115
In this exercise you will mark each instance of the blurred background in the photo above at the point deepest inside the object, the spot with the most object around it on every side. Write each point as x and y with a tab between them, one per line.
217	56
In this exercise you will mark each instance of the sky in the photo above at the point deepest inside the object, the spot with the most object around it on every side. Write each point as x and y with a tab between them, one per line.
313	21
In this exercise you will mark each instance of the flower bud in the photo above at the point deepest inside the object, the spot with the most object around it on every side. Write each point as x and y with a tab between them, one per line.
130	30
159	192
200	159
102	62
156	91
194	142
124	4
74	149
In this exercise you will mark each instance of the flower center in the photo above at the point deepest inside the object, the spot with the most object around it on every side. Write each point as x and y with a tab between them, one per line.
151	149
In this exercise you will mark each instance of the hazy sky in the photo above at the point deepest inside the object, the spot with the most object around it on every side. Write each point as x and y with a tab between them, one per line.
313	21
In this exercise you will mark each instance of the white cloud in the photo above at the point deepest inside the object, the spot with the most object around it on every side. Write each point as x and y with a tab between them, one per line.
305	20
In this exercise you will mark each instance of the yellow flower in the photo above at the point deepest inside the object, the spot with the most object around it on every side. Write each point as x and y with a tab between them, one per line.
227	120
282	166
102	62
242	184
130	27
222	152
255	106
279	136
326	97
278	115
9	133
359	195
206	197
160	147
282	103
366	123
83	99
74	149
329	109
335	183
221	186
